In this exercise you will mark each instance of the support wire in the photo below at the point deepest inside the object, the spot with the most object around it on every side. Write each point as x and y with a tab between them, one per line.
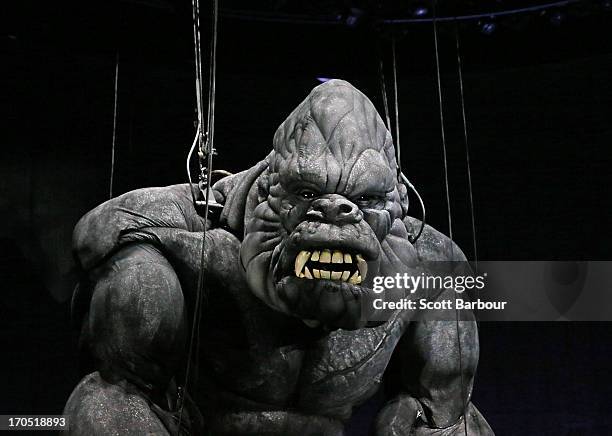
448	205
205	154
115	101
465	141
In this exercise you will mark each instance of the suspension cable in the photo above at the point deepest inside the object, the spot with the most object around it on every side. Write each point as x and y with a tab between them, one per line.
196	139
442	127
383	90
401	177
205	153
115	101
200	128
448	205
396	104
206	178
465	141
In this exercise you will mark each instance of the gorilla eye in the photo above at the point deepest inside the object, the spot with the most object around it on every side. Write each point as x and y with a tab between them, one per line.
368	198
307	194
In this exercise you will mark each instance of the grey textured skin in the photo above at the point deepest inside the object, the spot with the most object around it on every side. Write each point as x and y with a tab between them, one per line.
263	371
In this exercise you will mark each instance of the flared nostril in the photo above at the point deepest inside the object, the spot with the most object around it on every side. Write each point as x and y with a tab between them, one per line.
344	209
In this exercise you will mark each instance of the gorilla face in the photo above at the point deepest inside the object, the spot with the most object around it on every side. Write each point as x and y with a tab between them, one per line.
328	199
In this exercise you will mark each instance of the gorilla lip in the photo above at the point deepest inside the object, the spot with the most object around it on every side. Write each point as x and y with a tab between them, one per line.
331	265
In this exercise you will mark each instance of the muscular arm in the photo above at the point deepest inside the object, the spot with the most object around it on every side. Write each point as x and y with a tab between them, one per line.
438	361
135	330
133	250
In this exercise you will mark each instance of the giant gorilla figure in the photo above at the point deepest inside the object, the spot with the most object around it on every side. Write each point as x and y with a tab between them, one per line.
287	345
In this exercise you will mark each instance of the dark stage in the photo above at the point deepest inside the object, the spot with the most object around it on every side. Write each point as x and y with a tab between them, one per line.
537	98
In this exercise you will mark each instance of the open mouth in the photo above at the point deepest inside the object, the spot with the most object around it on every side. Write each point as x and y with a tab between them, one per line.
331	265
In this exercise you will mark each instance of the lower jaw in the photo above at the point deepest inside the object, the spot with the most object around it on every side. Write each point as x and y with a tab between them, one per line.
327	303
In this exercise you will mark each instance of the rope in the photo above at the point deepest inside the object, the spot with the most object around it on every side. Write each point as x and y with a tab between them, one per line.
442	129
383	90
465	141
212	84
195	6
448	205
206	149
424	216
396	103
401	176
188	166
209	152
112	171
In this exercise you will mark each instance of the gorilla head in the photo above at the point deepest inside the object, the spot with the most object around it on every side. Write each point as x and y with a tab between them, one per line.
327	200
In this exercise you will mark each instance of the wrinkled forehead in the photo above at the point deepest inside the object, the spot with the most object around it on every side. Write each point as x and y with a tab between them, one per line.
336	139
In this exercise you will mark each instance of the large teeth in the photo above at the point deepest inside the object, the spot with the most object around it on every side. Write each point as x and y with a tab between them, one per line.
300	261
362	266
326	256
355	279
307	273
337	257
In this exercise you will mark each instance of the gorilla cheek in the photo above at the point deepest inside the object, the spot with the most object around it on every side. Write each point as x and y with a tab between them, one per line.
396	206
257	254
254	262
379	221
293	214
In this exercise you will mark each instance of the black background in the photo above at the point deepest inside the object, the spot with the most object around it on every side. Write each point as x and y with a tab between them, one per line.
537	101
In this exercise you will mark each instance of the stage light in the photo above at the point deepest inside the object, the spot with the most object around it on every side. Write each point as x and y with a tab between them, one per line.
354	17
488	27
556	18
420	11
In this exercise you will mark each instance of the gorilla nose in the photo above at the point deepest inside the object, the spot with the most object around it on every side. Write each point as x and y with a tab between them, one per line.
334	208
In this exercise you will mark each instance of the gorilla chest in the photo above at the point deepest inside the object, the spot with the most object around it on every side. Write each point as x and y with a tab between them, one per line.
326	376
346	368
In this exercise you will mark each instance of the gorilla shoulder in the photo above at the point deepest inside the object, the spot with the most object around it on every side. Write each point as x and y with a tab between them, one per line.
102	230
433	245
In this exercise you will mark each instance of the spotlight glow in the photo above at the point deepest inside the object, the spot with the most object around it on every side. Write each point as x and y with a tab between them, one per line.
420	11
488	27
